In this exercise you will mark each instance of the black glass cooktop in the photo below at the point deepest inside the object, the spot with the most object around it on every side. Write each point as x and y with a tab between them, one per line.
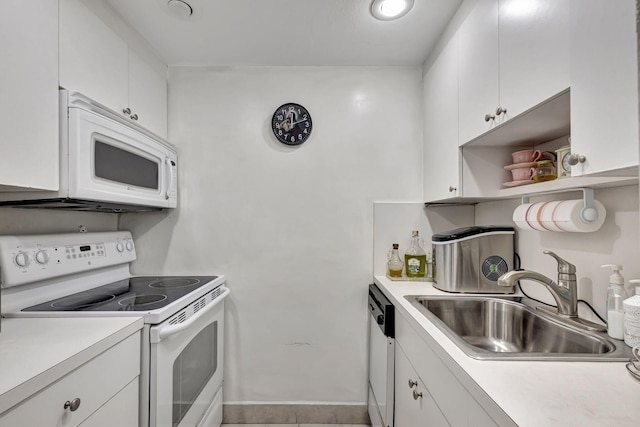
142	293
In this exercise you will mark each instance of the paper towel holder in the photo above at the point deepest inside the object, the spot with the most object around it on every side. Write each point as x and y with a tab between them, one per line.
588	214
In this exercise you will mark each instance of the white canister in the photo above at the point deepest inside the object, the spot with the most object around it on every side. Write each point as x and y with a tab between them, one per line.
631	307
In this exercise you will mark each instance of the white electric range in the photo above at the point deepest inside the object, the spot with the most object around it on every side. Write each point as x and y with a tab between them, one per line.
87	275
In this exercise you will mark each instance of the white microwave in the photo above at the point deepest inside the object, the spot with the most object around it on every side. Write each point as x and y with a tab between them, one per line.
107	164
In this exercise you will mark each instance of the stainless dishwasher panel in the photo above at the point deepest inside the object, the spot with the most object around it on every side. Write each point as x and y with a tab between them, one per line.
381	359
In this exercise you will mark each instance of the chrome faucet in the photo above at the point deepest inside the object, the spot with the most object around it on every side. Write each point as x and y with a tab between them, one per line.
565	292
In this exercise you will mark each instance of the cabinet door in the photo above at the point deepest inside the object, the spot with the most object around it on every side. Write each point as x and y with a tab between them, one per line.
93	59
148	95
441	151
478	74
29	88
604	85
414	405
534	52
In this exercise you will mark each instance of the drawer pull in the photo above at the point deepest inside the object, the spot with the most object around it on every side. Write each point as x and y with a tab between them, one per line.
72	405
412	383
416	395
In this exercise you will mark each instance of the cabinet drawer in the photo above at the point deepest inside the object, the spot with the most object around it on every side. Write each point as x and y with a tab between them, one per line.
121	410
94	383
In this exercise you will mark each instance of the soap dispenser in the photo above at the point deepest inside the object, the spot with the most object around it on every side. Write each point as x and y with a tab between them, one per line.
631	308
615	296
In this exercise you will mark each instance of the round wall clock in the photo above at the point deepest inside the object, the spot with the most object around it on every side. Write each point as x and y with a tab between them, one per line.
291	124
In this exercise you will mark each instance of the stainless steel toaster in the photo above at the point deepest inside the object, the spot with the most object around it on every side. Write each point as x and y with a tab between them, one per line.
471	259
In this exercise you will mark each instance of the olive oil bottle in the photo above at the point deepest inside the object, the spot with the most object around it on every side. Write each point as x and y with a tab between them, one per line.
415	258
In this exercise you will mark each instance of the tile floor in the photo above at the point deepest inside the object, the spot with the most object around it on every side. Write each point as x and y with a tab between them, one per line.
295	425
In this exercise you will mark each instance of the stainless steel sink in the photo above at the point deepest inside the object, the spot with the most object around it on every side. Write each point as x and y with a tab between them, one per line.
504	329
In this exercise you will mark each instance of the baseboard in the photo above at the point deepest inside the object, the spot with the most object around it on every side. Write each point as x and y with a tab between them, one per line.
257	413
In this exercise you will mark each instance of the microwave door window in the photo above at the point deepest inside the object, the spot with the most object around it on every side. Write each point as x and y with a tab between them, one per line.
122	166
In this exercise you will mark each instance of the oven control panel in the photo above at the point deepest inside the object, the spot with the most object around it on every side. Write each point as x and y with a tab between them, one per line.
33	258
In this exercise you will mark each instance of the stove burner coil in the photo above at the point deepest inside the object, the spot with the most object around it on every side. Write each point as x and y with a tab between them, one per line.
139	300
173	283
81	301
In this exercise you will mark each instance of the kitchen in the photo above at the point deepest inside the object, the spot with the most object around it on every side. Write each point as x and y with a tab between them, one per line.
252	209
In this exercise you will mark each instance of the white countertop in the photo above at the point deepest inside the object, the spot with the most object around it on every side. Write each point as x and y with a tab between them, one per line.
532	393
35	352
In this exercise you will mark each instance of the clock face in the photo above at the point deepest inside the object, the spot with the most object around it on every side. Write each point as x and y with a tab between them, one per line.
565	162
291	124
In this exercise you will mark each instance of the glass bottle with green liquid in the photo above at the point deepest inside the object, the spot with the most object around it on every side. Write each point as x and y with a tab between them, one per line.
415	258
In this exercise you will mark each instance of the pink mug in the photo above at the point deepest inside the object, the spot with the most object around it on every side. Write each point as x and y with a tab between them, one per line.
526	156
522	174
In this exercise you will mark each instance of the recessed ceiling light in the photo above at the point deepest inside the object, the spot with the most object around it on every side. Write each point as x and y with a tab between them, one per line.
180	9
387	10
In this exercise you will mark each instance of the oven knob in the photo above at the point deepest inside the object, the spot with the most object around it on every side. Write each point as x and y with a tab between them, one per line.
380	319
42	257
119	247
22	259
129	245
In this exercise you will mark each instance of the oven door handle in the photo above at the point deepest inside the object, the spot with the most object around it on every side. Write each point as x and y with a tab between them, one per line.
163	332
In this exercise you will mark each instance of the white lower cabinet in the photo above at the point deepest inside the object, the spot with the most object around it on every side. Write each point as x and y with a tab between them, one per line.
414	405
444	401
102	392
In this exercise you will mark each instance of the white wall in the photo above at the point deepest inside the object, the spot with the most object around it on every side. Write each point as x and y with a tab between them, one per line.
291	228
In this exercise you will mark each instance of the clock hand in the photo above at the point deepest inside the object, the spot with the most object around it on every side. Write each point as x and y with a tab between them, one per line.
286	125
299	121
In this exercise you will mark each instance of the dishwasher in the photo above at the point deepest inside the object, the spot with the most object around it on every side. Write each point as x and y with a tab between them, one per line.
381	359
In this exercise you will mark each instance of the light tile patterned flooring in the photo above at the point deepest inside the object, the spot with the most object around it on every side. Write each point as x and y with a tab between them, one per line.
295	425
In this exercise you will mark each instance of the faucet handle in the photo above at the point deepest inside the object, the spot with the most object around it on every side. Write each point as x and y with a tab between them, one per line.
564	266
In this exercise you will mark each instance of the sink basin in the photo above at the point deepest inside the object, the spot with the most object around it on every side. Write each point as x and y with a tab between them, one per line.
503	329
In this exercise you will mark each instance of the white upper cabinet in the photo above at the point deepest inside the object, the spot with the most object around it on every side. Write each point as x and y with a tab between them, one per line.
98	63
604	86
534	52
478	73
513	55
147	95
441	150
29	101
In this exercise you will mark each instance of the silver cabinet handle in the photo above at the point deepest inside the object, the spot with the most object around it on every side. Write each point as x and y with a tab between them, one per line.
126	110
488	117
452	189
412	383
574	159
500	110
416	395
134	116
72	405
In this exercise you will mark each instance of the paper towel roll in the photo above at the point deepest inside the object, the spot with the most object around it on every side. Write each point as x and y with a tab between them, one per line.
564	215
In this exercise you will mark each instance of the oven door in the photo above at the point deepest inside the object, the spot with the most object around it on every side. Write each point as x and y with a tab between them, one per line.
111	162
186	369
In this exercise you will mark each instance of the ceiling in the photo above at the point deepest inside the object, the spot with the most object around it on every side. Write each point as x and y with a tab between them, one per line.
287	32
